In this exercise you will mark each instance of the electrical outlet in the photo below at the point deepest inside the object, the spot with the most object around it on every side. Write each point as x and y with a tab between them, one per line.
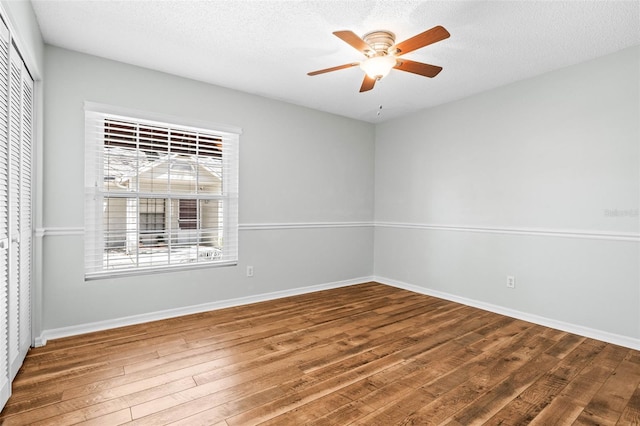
249	271
511	281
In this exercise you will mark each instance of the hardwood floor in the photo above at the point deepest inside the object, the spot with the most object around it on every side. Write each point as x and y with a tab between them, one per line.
364	355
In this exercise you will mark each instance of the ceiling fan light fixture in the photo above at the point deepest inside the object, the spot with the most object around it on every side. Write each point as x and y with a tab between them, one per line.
378	66
382	53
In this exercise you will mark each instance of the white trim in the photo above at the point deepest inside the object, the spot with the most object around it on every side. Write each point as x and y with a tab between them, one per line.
161	118
57	333
108	273
58	231
539	232
68	231
301	225
592	333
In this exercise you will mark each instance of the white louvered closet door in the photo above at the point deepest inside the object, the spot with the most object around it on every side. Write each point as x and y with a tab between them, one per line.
16	160
26	224
20	91
14	214
5	375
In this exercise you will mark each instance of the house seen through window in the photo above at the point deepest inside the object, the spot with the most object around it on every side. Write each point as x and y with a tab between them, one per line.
158	195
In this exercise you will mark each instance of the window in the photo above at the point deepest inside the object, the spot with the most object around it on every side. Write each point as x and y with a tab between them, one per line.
159	194
188	214
152	221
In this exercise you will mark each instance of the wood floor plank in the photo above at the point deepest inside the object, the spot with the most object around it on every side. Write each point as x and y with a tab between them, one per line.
58	374
366	354
310	393
528	404
233	387
116	418
383	391
614	395
631	413
566	407
460	383
87	378
500	395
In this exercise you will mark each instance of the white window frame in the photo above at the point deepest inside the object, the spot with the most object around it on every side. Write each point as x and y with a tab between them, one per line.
95	193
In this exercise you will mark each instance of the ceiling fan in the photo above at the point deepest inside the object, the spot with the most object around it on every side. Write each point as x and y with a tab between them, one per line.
382	54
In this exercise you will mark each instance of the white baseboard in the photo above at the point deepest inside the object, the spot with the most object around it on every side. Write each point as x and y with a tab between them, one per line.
604	336
75	330
616	339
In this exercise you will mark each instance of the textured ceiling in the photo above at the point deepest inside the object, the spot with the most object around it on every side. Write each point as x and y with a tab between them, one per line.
267	47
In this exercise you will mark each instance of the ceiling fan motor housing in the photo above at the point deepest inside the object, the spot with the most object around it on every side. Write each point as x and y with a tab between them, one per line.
380	41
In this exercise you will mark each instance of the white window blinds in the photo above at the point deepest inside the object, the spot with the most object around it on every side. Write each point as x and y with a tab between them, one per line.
159	194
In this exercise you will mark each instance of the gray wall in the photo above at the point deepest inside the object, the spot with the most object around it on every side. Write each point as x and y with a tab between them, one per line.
539	179
297	166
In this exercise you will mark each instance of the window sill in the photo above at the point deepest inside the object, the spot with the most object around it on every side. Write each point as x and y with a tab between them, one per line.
93	276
